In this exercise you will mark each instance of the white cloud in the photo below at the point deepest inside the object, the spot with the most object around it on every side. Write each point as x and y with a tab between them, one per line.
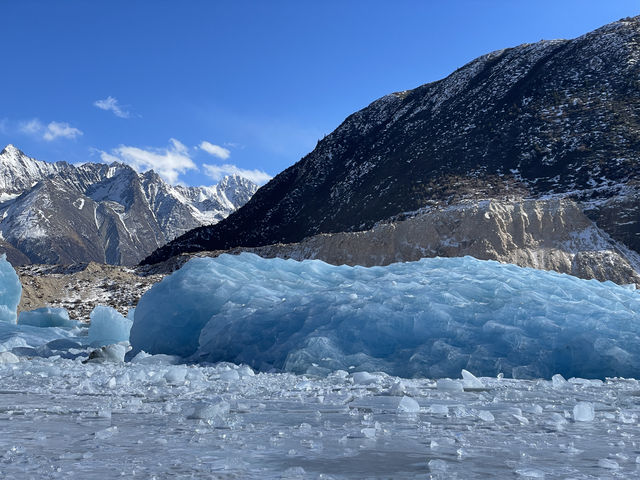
169	163
215	150
217	172
49	132
33	127
110	104
60	129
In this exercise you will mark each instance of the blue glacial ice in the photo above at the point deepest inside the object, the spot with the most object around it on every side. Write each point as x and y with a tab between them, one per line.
429	318
10	291
47	317
108	326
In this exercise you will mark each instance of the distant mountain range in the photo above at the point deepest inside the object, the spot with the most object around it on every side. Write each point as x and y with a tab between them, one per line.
556	118
63	213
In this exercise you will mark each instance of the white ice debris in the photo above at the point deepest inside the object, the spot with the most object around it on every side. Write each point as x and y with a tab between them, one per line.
109	353
108	326
558	381
583	412
8	357
608	464
364	378
486	416
408	405
469	380
215	409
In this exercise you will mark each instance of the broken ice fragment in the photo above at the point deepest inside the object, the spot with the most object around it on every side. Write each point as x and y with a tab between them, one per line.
176	375
108	326
109	353
530	473
216	409
8	357
559	382
437	465
583	412
408	405
486	416
608	464
470	381
106	433
364	378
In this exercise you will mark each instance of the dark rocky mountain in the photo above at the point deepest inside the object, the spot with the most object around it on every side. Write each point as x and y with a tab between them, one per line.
553	118
62	213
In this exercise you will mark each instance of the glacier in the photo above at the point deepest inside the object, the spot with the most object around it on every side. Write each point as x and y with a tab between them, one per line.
429	318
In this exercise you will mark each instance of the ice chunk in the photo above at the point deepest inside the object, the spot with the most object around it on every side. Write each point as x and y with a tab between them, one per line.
108	326
530	473
8	357
438	409
408	405
470	381
108	353
10	291
106	433
365	378
437	465
214	410
176	375
160	359
559	382
449	385
583	412
398	389
429	318
608	464
47	317
486	416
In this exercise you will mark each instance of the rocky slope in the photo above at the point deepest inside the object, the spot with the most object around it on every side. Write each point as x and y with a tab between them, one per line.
544	234
557	117
81	287
61	213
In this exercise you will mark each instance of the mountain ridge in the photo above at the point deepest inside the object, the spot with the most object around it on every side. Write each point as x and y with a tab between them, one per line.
108	213
557	117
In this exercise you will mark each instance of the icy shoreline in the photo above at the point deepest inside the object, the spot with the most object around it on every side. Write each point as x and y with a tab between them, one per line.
150	419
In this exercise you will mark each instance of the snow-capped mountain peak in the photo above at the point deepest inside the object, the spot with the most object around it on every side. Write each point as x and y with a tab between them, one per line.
102	212
19	172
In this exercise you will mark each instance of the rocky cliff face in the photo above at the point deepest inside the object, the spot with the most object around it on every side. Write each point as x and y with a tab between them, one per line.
548	235
544	234
558	118
61	213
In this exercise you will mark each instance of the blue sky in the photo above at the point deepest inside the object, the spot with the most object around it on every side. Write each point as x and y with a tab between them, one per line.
197	89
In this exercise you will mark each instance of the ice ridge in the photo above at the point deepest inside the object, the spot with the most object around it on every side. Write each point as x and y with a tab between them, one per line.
429	318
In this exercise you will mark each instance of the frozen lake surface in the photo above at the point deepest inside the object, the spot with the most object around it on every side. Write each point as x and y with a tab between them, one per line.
64	419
